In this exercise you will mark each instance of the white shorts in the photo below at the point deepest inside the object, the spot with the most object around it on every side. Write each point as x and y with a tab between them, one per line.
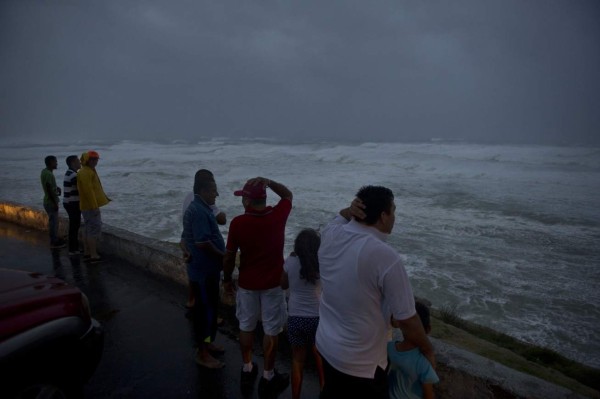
266	305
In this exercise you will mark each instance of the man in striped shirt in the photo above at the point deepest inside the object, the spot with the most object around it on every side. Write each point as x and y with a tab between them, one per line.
71	202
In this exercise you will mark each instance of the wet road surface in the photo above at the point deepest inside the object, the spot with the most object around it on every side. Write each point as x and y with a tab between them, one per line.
148	349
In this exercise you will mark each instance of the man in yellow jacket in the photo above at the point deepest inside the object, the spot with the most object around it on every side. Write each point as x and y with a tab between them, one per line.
91	198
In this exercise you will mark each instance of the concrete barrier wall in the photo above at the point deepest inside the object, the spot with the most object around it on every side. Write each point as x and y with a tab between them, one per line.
151	255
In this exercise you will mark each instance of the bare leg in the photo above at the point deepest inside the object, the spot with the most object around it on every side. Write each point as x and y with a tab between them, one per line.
92	247
269	350
86	246
319	364
190	301
298	358
246	345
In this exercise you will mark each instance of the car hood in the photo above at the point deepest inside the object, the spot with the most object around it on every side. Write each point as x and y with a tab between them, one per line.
30	299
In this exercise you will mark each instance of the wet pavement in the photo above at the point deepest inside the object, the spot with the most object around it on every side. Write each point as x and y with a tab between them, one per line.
148	350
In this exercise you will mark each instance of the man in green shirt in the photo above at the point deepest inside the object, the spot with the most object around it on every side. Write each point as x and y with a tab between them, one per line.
51	193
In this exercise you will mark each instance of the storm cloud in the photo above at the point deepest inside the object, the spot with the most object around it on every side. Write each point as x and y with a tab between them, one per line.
484	71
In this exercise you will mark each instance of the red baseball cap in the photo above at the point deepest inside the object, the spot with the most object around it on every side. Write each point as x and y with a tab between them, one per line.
93	154
252	191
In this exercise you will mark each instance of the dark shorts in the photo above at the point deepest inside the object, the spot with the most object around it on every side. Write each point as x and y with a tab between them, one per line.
340	385
93	223
302	330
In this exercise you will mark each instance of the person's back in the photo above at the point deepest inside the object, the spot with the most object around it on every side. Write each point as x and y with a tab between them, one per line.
301	278
361	276
410	374
259	235
91	194
260	239
304	296
349	298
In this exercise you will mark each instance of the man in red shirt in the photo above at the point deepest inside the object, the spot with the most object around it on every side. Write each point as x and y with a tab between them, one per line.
259	235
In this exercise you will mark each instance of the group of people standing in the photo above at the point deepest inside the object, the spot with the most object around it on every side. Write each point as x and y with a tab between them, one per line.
83	195
347	289
346	286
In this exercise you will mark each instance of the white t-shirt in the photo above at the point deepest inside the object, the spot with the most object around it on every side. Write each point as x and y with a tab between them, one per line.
361	276
304	296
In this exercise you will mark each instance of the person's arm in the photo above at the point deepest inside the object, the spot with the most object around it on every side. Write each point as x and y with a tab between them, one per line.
278	188
187	256
221	218
413	331
346	214
52	194
210	247
428	391
228	267
202	232
354	210
285	282
85	188
219	215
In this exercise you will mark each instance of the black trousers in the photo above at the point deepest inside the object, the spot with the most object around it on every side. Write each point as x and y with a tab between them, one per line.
206	307
74	213
340	385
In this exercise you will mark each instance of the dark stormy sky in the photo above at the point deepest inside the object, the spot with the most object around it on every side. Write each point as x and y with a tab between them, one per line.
520	71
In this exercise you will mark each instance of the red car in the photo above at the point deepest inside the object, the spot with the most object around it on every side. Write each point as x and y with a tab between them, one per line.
49	343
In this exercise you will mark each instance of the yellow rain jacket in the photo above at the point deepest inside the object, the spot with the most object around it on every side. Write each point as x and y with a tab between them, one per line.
91	194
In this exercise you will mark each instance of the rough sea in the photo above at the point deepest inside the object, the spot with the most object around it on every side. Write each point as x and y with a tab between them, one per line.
508	234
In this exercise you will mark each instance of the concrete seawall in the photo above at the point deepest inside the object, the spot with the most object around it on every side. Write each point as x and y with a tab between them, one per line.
463	374
150	255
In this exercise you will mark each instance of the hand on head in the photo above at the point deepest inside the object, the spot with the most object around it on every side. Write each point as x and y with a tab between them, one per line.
255	181
356	209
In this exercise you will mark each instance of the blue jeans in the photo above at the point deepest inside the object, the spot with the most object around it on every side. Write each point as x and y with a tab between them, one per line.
52	222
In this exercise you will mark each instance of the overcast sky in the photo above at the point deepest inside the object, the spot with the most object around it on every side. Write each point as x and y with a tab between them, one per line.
486	71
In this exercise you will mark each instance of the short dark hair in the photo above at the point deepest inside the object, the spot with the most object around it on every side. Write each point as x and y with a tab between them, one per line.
201	180
70	159
257	202
423	312
49	159
376	199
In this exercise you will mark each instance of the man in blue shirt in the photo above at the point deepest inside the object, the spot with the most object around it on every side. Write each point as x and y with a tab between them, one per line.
204	247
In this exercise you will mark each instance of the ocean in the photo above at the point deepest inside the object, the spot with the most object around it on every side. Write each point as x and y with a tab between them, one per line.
507	234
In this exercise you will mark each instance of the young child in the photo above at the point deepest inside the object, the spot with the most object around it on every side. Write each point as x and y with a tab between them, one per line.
411	375
301	276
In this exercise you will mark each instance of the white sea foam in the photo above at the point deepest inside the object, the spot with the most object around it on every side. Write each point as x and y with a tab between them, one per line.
508	234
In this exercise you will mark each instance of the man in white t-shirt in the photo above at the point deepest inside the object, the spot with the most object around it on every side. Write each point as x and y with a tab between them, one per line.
361	275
